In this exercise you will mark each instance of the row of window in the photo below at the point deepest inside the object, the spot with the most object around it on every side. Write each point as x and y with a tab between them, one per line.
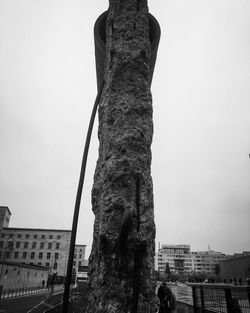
35	236
75	256
187	264
55	265
24	255
26	245
47	264
211	260
76	250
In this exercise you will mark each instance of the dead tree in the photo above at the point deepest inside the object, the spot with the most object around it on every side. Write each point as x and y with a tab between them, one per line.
122	257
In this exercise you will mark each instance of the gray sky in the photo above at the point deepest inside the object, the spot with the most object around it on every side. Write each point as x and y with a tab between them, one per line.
200	167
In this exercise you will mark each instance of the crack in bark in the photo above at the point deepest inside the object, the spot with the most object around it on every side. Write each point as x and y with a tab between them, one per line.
137	256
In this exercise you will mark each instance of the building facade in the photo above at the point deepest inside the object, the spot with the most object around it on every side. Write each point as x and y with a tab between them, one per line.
236	268
180	260
34	246
17	275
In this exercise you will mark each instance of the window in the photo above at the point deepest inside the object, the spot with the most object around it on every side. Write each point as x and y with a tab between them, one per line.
19	235
16	255
50	236
1	244
2	235
56	255
34	245
58	237
57	245
24	255
80	256
49	245
18	244
48	255
35	236
47	264
43	236
11	235
39	263
26	244
7	255
32	255
74	263
74	256
80	250
40	256
55	266
41	245
27	236
10	244
79	263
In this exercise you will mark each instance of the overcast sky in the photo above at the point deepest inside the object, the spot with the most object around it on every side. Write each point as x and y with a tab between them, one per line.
200	166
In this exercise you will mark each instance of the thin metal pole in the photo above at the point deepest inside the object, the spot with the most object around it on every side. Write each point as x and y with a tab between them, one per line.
77	206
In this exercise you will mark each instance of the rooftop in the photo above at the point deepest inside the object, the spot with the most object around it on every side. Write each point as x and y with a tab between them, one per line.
5	207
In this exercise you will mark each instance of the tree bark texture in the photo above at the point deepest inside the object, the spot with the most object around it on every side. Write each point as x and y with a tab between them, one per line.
122	257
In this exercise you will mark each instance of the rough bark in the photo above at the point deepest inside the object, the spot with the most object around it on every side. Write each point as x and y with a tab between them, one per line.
122	257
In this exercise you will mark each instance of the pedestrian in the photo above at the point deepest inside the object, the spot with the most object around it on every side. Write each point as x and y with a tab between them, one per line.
167	299
236	306
43	283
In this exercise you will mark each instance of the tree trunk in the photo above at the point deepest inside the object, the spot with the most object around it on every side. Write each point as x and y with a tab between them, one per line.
122	257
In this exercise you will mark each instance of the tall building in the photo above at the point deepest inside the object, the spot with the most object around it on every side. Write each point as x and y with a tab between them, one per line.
35	246
180	259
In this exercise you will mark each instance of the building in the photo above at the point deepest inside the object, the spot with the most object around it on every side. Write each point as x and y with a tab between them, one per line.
176	257
180	260
79	256
34	246
206	261
82	274
236	268
17	275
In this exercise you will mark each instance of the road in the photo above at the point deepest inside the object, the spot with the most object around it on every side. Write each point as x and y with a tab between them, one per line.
24	304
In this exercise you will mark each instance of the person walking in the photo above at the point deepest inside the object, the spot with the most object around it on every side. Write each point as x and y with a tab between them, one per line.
167	299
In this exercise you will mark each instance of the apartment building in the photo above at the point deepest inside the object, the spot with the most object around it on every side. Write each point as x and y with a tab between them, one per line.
35	246
181	259
205	261
79	256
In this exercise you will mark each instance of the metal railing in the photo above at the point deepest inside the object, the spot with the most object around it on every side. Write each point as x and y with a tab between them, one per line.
221	298
15	292
77	301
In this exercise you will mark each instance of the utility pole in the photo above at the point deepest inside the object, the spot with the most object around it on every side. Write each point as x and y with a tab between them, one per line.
122	258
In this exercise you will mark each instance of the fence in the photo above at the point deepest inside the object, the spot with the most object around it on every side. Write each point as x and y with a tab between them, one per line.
76	303
221	298
15	292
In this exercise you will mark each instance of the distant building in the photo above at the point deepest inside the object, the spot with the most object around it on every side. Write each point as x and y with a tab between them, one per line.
82	274
180	260
205	261
34	246
236	268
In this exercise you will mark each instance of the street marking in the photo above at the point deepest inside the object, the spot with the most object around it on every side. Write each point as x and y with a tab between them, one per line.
34	307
